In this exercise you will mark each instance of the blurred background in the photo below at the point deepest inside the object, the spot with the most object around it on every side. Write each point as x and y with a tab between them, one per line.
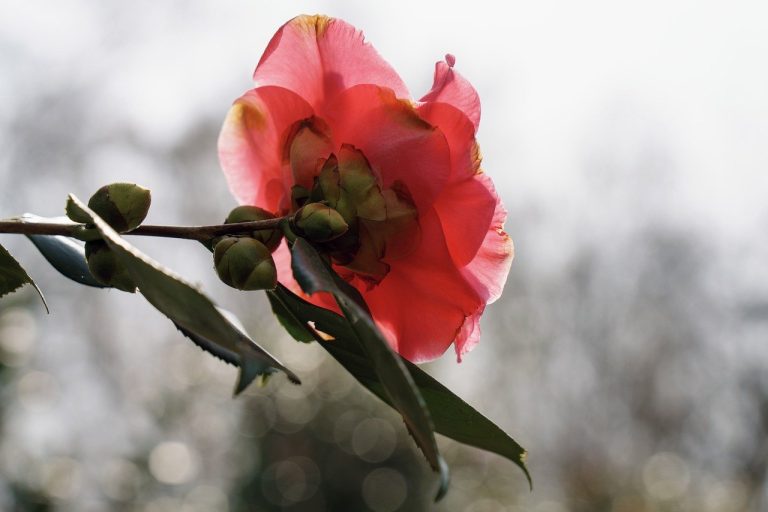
629	142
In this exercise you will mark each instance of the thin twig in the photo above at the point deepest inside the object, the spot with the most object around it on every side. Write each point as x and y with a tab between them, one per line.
203	233
200	233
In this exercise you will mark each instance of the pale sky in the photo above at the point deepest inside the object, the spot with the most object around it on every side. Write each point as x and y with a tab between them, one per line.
562	83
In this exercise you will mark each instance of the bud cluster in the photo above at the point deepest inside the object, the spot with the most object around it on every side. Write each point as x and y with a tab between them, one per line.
350	216
245	262
123	206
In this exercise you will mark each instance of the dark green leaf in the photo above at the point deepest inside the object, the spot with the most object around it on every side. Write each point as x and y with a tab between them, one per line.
452	416
250	372
64	254
314	275
190	310
294	328
13	276
67	256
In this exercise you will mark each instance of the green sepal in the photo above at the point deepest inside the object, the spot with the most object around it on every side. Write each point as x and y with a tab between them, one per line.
327	182
357	180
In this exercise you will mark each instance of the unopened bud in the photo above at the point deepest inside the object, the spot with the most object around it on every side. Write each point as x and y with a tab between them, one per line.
320	223
269	237
106	268
122	205
245	264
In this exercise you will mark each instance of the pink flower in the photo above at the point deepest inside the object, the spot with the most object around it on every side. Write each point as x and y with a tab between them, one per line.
428	251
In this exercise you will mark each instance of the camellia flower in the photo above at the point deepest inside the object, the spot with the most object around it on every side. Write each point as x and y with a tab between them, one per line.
331	122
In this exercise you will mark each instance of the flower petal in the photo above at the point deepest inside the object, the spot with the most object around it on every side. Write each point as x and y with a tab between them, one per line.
452	88
399	145
425	324
251	145
466	209
466	206
488	271
306	149
469	334
460	134
318	57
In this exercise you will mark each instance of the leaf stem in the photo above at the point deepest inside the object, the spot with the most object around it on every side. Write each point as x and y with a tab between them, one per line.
23	226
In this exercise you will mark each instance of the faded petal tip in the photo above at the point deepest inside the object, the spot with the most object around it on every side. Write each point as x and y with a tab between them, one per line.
318	57
452	88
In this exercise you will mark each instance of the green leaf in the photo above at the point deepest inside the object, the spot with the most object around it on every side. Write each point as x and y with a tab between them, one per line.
67	256
314	275
13	276
249	372
289	323
452	416
64	254
190	309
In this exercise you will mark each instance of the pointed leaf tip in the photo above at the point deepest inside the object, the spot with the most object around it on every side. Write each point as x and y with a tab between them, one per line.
13	276
249	370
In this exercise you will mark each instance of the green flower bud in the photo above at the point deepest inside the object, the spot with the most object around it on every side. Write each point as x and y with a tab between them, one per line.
105	267
320	223
122	205
269	237
245	264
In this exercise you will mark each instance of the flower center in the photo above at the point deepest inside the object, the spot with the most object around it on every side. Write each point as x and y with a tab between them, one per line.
383	222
